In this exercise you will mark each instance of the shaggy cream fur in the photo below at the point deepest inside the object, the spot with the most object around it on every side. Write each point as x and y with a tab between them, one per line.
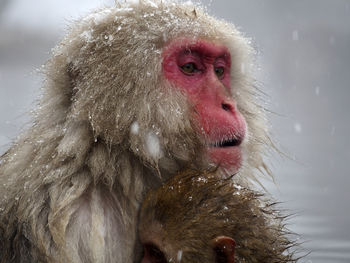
72	184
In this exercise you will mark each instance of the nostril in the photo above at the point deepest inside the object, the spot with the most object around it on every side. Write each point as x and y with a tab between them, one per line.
226	107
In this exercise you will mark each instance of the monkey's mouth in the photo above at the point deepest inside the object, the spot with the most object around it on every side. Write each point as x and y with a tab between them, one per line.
227	143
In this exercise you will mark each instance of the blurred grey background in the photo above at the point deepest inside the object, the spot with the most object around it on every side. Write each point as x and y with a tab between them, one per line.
304	67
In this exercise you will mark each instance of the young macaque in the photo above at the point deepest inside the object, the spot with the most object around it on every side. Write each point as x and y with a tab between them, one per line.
196	217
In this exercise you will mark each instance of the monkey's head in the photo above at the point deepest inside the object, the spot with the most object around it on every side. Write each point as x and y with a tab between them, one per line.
196	217
164	80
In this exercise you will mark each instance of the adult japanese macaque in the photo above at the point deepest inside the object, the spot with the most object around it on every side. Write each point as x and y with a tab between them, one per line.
198	218
132	94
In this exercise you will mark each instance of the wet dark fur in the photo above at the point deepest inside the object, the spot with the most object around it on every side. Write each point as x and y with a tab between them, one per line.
193	208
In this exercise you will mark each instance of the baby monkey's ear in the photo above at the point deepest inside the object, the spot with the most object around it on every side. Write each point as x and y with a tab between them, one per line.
224	249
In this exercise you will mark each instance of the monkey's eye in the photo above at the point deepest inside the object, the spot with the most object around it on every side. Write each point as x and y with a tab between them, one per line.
189	68
153	254
219	71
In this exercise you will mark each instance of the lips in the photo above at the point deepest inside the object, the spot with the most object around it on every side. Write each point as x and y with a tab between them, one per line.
227	153
230	142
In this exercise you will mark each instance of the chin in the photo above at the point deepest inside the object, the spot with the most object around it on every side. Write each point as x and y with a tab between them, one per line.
227	158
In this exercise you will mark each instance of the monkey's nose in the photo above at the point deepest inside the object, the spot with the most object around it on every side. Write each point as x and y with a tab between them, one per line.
227	107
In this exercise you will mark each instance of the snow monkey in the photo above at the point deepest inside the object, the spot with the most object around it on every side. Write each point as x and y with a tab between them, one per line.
198	218
133	94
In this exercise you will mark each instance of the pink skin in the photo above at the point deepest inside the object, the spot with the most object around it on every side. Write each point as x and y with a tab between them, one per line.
208	89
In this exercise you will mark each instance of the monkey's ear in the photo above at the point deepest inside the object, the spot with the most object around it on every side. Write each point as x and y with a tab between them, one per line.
224	249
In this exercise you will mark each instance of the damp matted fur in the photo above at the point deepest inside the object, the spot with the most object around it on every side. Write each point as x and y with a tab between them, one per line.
193	208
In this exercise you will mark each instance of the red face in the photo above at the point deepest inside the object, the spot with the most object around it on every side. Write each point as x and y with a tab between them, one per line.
202	71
